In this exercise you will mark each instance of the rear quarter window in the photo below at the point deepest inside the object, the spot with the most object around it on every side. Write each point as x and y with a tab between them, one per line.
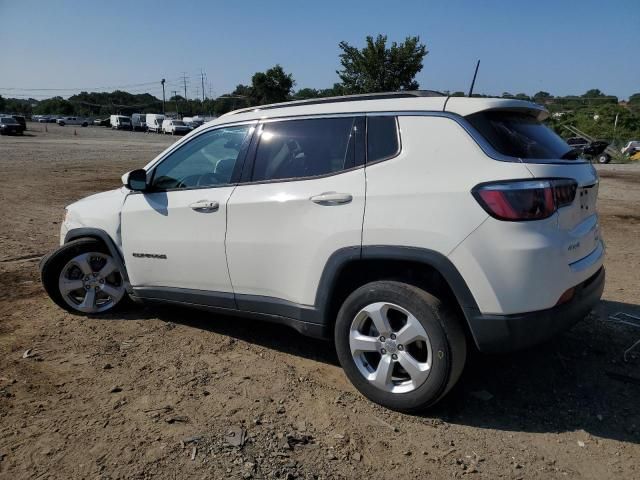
519	135
382	138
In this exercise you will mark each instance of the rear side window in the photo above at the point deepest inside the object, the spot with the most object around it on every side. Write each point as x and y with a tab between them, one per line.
382	138
520	135
305	148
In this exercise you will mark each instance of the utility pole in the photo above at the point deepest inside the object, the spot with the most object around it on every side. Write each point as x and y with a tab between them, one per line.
163	100
202	79
175	97
184	81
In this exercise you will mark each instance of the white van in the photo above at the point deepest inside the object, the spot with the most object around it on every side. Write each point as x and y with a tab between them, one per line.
154	122
175	127
120	122
139	121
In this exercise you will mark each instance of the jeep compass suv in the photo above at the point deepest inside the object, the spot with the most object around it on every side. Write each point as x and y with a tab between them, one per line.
404	226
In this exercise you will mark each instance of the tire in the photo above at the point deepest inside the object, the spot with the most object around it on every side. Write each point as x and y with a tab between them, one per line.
604	158
62	124
85	124
441	344
71	265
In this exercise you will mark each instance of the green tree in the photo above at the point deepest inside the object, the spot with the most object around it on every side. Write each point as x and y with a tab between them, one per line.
376	68
306	93
272	86
2	103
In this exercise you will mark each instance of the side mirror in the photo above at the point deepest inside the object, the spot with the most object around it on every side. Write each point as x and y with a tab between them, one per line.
135	180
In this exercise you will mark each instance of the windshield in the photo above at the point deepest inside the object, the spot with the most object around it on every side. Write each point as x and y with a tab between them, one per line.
520	135
7	120
178	123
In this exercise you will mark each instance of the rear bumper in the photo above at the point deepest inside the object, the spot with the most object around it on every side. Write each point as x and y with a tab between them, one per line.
504	333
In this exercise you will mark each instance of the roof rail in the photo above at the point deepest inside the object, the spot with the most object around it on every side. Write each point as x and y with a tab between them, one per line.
344	98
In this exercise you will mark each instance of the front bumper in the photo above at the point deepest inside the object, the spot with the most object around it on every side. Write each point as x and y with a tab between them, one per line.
504	333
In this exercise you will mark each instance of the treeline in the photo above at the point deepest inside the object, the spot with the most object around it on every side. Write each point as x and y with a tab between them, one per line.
377	67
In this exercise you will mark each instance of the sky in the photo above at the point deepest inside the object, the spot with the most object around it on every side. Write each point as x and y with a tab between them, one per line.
561	46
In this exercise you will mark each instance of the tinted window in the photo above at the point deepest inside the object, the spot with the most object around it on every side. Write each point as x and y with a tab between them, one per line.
305	148
519	135
382	138
206	160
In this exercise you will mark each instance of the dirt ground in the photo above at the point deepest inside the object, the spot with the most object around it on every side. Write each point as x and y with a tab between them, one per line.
175	393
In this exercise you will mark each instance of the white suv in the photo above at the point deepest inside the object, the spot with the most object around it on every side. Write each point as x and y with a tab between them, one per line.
72	121
405	226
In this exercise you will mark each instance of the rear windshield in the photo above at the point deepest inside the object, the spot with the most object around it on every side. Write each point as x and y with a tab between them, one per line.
8	120
178	123
520	135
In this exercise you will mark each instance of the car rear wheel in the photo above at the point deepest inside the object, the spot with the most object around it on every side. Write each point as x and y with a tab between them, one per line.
82	277
604	158
400	346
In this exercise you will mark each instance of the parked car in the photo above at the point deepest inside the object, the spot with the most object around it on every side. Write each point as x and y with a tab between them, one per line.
594	150
72	121
154	122
21	120
10	126
632	147
120	122
174	127
192	122
480	227
139	122
102	122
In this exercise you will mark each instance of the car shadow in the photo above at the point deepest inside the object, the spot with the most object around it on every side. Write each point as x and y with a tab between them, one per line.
578	381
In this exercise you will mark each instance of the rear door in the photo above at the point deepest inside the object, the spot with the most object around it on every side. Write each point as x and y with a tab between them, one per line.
303	201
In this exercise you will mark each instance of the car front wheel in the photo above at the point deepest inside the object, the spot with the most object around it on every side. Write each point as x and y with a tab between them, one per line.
400	346
604	158
82	277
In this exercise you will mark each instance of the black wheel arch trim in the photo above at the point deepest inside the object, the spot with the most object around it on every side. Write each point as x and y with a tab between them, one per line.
97	233
341	258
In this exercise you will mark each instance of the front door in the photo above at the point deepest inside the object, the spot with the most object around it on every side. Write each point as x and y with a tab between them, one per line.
173	236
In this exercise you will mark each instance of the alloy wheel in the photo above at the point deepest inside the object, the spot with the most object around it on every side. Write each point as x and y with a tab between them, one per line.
91	282
390	347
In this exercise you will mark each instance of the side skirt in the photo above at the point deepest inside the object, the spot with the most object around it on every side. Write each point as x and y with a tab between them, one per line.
298	317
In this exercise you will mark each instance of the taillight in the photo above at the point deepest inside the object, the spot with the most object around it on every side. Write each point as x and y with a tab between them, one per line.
525	199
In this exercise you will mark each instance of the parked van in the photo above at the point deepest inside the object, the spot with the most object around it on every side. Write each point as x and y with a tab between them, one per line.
139	121
154	122
120	122
175	127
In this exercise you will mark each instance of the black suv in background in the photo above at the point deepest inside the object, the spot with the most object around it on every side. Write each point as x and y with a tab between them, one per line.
9	126
21	120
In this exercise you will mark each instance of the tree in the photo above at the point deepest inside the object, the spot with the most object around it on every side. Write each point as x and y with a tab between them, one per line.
306	93
272	86
377	68
2	103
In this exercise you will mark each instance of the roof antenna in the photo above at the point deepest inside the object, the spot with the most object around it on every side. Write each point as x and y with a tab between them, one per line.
473	82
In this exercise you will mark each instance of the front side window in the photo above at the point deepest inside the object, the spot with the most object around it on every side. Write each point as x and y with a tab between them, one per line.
205	161
305	148
519	135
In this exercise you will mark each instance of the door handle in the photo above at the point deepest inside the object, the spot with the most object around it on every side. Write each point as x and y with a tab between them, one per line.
205	206
332	198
